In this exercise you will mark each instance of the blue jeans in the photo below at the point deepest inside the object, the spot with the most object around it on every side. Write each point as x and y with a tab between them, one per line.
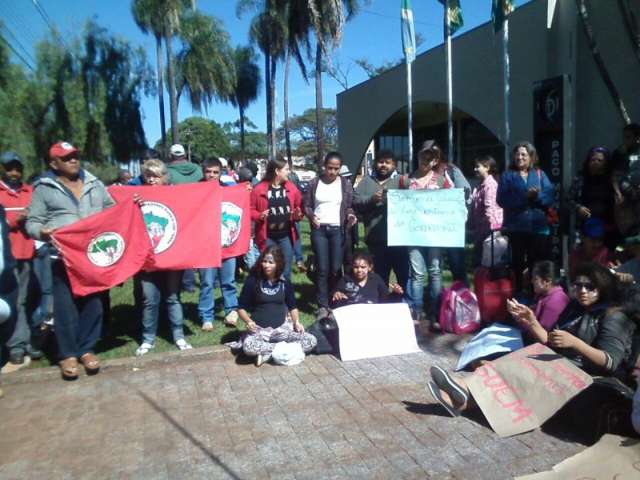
227	276
386	259
297	247
156	286
287	251
251	257
423	260
326	242
78	319
42	271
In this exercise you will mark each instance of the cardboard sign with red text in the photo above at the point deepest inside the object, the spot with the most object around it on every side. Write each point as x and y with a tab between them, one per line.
522	390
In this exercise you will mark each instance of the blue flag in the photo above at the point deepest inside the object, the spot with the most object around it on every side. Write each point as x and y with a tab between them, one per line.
408	32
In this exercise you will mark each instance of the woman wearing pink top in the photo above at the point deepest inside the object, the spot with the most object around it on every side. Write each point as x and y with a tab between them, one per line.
485	214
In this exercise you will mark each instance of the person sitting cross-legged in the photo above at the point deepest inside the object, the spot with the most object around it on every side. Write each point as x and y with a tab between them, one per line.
265	305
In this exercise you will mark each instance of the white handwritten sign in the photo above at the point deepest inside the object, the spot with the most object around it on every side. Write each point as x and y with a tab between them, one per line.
426	218
522	390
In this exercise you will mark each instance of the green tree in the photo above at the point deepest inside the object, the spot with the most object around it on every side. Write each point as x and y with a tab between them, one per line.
246	87
255	145
205	65
146	17
304	132
202	138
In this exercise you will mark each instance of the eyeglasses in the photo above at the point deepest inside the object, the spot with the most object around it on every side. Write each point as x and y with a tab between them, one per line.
68	158
588	286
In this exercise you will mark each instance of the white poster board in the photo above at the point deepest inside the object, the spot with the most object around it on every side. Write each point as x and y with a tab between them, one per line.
426	218
375	330
496	338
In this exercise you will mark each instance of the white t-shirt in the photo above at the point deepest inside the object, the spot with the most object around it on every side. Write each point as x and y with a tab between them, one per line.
327	202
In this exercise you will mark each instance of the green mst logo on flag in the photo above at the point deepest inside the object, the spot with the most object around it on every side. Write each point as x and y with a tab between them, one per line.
161	223
500	10
454	12
231	223
106	249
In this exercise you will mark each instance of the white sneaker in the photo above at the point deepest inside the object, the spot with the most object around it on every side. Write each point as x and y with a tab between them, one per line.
260	359
232	318
183	345
144	349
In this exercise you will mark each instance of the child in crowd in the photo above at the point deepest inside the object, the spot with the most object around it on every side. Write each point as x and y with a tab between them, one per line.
485	215
550	297
266	303
212	170
592	247
157	285
363	285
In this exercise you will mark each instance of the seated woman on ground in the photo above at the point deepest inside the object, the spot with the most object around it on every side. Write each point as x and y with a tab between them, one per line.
265	305
363	285
549	295
590	334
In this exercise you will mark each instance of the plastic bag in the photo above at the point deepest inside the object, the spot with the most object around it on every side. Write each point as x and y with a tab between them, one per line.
287	353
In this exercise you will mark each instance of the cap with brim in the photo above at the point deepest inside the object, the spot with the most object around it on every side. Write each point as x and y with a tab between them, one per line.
427	146
177	150
62	149
8	157
344	171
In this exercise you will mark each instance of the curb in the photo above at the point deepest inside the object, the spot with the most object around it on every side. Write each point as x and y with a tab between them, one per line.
114	365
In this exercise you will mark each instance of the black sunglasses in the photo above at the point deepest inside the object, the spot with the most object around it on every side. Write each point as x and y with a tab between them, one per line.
588	286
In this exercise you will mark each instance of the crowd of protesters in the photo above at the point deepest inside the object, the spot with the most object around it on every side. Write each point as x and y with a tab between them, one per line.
582	313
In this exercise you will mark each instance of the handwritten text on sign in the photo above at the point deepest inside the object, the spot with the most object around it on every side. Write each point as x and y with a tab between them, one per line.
426	218
523	389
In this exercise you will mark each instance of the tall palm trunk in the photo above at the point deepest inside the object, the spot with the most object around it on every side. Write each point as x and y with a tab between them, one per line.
595	52
285	94
241	108
274	126
163	127
319	112
173	100
267	81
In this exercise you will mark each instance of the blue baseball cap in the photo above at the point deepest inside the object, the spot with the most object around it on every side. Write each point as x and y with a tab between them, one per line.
593	228
8	157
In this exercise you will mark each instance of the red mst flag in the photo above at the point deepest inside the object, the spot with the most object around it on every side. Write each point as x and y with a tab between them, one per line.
183	222
236	221
105	249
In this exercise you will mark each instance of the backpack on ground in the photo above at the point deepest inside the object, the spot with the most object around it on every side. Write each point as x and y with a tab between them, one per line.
459	312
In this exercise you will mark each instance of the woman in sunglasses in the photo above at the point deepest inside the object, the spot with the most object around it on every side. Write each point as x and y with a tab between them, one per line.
590	333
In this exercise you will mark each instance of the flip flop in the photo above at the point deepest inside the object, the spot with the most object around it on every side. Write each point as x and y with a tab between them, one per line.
69	368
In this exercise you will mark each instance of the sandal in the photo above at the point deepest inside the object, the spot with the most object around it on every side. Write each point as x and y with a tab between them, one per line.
69	367
207	327
91	363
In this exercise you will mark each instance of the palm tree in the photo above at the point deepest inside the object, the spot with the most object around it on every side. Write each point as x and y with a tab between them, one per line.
247	85
205	65
327	19
268	31
146	17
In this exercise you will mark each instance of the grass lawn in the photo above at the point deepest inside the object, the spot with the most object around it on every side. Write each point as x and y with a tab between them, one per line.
124	329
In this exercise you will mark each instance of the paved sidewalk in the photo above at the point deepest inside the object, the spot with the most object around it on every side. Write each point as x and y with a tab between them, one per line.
210	417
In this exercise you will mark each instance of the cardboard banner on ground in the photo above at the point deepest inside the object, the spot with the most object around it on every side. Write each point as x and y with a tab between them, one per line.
613	457
522	390
105	249
375	330
183	222
496	338
426	218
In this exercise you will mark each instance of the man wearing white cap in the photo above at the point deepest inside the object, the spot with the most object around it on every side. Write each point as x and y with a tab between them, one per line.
181	170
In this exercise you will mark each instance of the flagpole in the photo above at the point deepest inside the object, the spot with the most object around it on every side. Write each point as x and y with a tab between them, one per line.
507	88
410	113
449	83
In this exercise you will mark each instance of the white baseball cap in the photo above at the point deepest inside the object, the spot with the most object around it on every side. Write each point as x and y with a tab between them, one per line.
177	150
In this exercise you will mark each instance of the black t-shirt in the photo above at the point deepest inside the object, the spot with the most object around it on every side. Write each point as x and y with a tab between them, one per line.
267	301
374	291
279	219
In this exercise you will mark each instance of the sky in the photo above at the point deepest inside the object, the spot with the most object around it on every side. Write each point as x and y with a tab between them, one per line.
373	34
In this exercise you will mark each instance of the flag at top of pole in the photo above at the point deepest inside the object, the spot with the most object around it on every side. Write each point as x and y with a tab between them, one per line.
500	10
408	31
453	19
